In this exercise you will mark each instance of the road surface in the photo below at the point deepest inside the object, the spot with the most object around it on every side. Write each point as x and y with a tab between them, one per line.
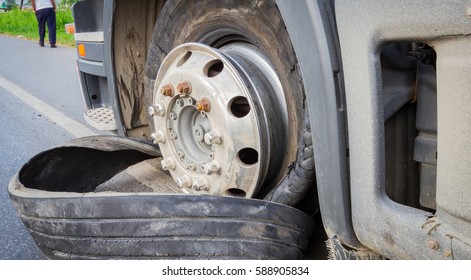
41	106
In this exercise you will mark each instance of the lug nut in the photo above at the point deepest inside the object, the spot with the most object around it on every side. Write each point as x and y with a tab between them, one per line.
184	87
167	90
151	111
192	166
200	184
184	182
211	168
203	105
181	154
213	137
158	137
158	110
168	164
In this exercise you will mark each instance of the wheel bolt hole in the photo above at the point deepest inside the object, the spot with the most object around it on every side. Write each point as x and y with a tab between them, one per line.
213	68
248	156
184	58
239	107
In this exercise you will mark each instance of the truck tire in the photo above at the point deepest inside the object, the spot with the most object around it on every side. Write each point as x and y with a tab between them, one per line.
81	223
69	222
255	25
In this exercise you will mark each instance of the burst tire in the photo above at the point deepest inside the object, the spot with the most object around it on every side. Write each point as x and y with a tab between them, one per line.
78	223
88	225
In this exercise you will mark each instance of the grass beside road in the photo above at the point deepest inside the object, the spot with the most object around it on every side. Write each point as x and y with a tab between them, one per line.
23	23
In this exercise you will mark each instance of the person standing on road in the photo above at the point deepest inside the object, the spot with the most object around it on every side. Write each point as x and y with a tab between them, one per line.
45	11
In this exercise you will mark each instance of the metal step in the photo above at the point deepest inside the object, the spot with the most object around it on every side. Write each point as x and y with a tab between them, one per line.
101	118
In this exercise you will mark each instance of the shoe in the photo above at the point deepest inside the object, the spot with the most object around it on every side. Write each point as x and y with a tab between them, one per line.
41	44
53	46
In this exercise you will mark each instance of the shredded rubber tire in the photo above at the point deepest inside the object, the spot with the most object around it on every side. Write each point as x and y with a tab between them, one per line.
109	225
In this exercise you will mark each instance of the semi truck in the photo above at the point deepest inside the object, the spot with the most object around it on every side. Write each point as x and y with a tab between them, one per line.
262	129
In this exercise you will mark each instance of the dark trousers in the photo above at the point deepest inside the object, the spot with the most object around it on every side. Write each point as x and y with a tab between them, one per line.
46	15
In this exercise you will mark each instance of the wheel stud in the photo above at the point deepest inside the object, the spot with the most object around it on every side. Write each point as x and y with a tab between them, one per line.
167	90
213	137
151	111
203	105
211	168
168	164
158	137
184	182
200	184
158	110
184	87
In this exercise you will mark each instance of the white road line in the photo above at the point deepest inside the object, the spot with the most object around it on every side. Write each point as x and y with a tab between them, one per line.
73	127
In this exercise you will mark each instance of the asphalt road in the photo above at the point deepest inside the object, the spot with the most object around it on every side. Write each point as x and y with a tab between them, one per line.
39	88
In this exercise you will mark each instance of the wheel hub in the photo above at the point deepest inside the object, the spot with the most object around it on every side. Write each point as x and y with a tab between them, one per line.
215	121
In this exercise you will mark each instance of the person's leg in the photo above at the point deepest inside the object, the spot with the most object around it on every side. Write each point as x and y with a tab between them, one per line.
41	26
51	26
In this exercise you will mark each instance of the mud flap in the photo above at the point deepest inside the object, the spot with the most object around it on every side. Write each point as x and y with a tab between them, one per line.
56	196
